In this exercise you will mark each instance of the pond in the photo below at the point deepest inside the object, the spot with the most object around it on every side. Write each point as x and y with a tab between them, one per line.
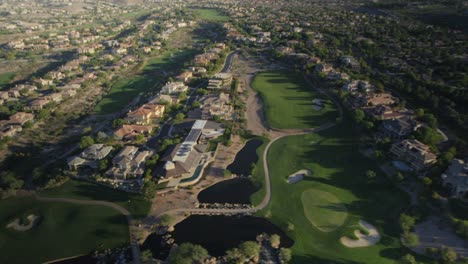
220	233
156	244
247	156
237	190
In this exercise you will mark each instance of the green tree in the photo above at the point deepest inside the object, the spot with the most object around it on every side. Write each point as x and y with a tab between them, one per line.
285	255
358	116
275	240
182	96
86	141
370	174
149	189
103	164
234	256
410	239
408	259
427	181
448	255
250	249
43	114
406	222
118	122
146	256
179	118
188	253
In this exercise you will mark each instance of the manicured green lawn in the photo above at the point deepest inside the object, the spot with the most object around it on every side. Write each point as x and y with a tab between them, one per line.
64	230
125	90
288	99
258	175
5	78
323	210
134	203
339	169
210	14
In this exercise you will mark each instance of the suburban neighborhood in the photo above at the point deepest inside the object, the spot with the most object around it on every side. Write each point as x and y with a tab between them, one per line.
232	131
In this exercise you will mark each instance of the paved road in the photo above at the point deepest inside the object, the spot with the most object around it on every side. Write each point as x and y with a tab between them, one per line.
166	126
133	241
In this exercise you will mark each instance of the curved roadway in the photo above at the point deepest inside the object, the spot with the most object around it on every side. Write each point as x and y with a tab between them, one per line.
276	134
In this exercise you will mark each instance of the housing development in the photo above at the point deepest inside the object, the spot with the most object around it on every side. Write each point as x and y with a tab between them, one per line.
232	131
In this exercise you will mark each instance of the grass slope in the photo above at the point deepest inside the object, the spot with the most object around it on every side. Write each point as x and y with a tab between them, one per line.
64	230
323	209
5	78
337	168
288	99
134	203
125	90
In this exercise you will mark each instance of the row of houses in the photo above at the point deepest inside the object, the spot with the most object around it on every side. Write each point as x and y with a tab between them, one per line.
398	123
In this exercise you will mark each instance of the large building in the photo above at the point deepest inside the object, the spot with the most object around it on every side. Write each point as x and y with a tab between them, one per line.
219	81
182	160
129	163
174	87
147	114
415	153
90	156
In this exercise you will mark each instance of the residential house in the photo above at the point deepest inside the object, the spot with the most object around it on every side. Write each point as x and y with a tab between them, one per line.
184	77
358	85
7	130
25	88
323	68
182	159
20	118
214	106
373	99
4	95
129	132
146	114
164	99
68	93
455	178
44	82
398	128
350	62
174	87
418	155
197	70
220	80
129	163
90	156
54	97
37	104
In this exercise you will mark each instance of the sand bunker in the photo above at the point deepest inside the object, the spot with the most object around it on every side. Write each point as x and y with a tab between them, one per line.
19	227
298	176
364	240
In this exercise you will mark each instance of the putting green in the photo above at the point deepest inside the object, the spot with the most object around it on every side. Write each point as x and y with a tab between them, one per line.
323	210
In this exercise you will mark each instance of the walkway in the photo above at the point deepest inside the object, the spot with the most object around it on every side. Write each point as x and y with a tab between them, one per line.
133	241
